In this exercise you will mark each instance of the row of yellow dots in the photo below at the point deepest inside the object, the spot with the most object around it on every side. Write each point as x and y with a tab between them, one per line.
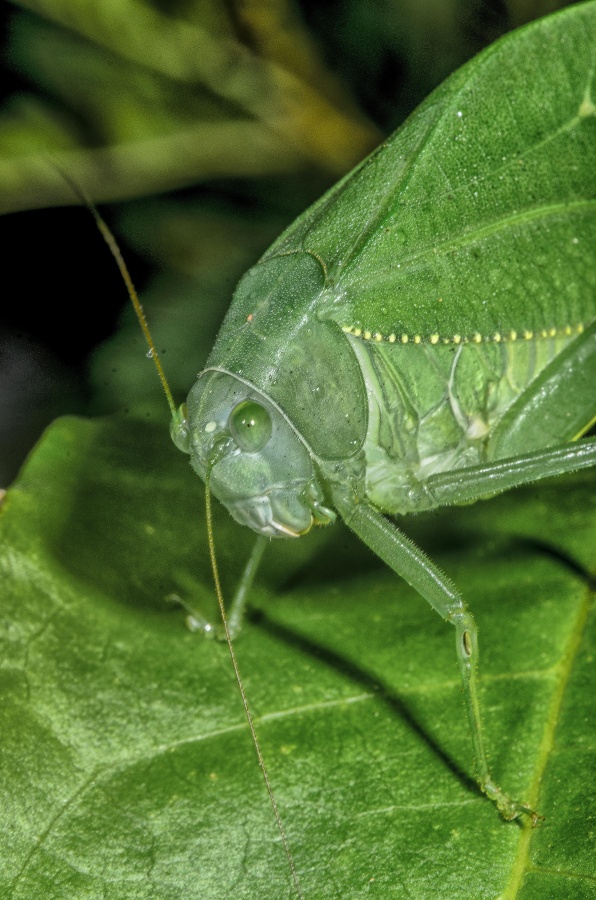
476	338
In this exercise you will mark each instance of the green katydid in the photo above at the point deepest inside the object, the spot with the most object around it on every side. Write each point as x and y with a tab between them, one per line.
372	363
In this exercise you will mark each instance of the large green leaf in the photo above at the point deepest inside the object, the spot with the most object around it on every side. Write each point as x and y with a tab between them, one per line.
127	768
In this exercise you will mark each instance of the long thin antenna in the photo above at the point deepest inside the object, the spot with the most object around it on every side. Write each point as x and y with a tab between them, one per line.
132	293
247	711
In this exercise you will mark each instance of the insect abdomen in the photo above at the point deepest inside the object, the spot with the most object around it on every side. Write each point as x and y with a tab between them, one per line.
436	407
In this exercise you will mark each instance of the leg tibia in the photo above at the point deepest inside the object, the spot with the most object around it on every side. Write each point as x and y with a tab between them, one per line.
466	643
417	569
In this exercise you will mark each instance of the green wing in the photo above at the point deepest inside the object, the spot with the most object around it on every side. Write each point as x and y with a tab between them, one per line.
477	219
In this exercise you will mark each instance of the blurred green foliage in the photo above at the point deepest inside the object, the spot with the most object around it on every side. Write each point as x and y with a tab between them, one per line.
137	99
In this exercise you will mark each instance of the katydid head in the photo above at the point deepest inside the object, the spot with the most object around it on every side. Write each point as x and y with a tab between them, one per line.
259	467
239	440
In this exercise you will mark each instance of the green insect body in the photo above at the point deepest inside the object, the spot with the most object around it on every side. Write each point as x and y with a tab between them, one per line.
412	410
380	359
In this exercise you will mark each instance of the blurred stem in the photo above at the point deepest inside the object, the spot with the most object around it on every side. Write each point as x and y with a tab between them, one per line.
226	149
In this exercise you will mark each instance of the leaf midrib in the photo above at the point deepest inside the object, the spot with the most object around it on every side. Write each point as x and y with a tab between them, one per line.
522	865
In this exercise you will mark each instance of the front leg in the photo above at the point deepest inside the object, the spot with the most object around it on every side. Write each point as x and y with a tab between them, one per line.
196	621
407	560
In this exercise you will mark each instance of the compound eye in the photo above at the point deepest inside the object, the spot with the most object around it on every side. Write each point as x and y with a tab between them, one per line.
250	425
